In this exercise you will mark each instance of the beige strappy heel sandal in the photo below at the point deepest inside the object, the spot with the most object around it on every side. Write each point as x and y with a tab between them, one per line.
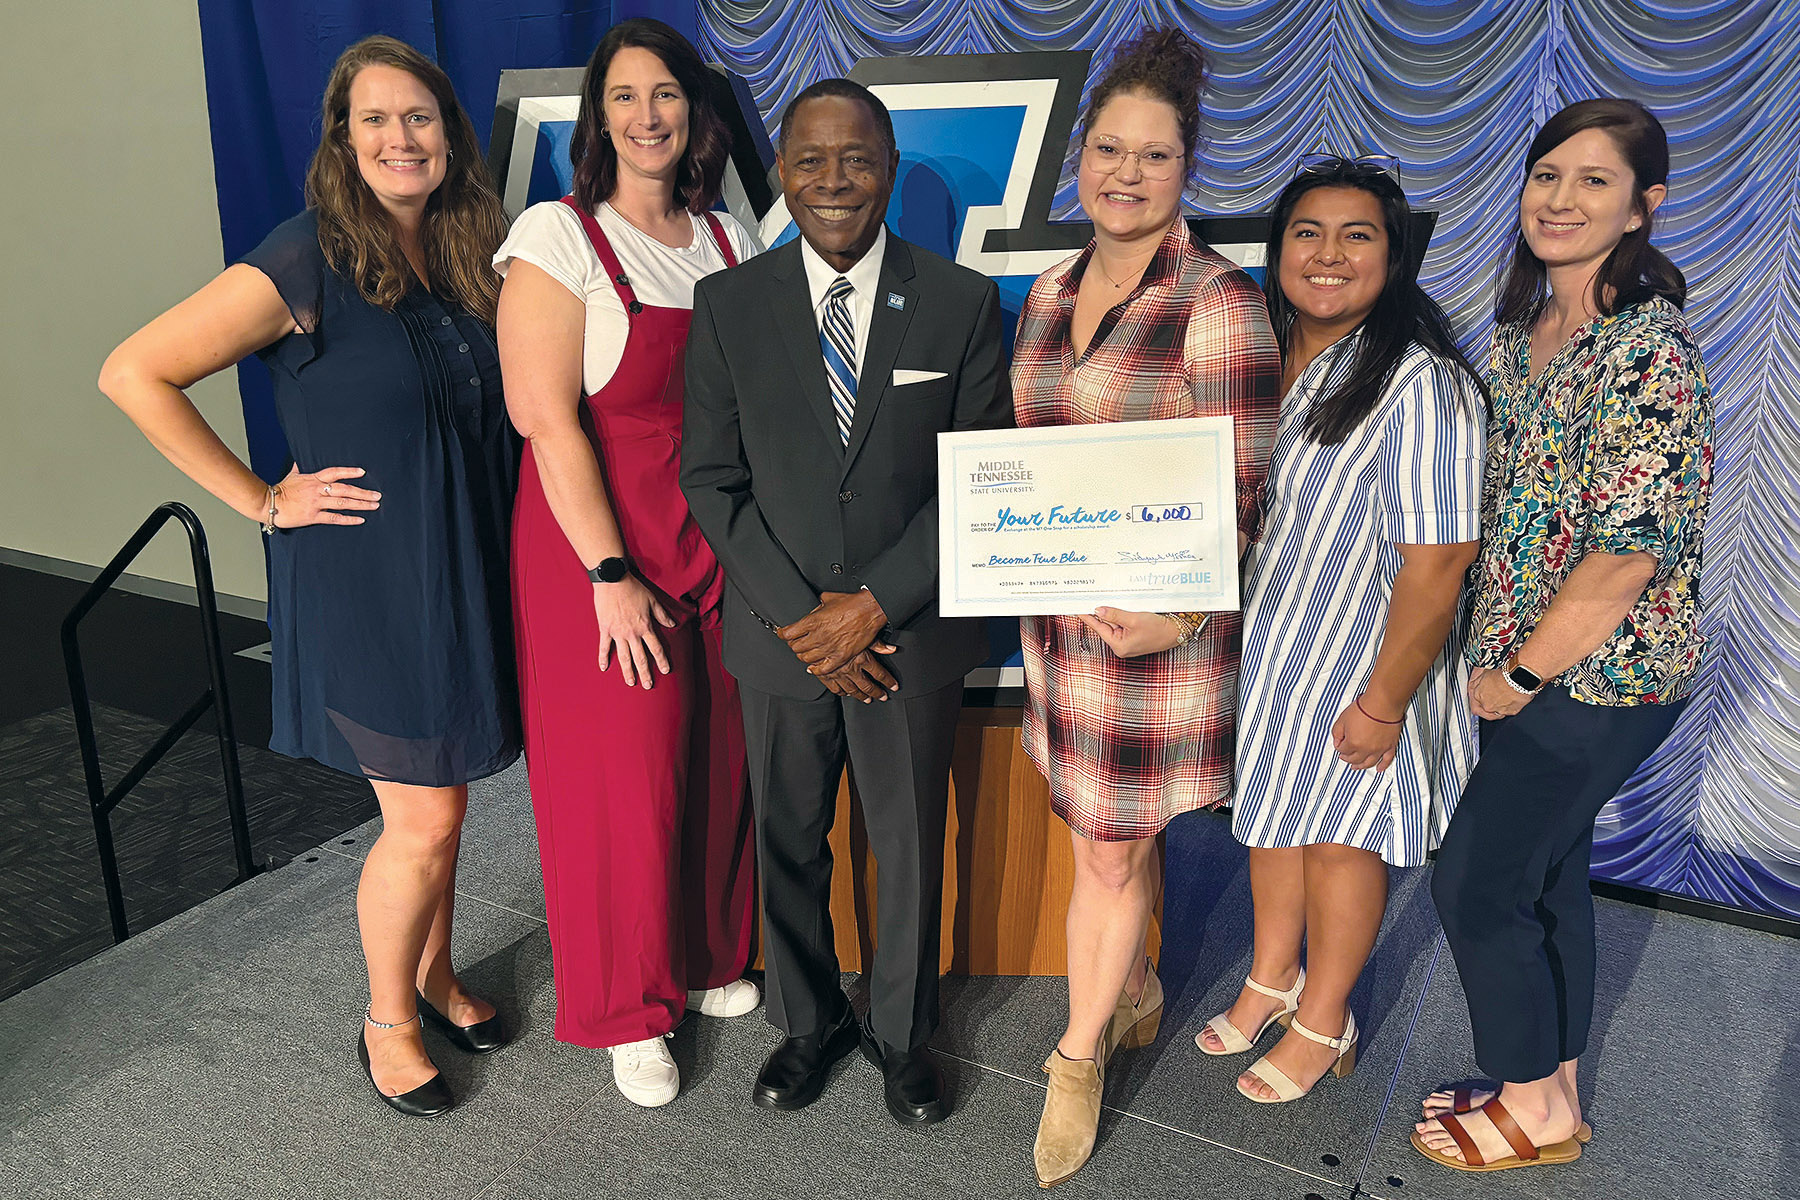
1229	1035
1285	1088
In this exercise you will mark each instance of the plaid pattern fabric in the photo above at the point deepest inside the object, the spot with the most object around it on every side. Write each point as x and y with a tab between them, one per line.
1127	744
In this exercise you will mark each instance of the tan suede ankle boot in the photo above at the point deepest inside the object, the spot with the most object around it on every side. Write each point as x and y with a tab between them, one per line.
1071	1118
1135	1025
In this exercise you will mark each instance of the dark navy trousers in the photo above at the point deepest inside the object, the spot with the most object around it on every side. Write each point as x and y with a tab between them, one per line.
1511	883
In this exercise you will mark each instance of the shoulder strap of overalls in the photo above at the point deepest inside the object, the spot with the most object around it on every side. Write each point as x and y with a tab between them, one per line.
718	232
609	260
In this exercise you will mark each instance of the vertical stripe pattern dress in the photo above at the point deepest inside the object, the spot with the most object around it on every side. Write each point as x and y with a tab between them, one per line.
1317	587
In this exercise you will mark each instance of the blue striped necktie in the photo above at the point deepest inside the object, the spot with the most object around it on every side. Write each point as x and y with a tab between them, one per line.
837	338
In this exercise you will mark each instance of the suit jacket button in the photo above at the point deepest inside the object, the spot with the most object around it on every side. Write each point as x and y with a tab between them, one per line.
846	497
837	568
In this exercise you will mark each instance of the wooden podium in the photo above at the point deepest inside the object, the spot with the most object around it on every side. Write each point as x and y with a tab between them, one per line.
1007	863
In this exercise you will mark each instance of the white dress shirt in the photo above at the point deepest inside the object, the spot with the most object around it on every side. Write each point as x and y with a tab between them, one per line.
863	278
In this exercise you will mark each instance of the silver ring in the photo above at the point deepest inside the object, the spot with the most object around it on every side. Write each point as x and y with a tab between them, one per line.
327	489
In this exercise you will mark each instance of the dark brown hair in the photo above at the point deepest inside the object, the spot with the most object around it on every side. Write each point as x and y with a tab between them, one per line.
1635	271
463	224
1163	64
702	169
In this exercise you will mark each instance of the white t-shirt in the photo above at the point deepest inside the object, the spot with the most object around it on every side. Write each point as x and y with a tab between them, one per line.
550	237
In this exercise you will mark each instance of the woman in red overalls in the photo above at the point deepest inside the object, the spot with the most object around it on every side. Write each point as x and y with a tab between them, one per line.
632	732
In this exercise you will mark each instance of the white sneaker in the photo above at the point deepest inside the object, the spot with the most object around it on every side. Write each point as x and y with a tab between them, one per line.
736	998
645	1073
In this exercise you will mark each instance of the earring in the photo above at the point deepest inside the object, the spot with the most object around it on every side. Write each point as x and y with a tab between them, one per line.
1632	228
452	154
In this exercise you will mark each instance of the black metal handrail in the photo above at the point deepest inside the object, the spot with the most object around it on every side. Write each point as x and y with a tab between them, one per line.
216	697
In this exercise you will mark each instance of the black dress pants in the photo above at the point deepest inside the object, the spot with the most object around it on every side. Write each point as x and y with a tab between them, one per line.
899	752
1511	883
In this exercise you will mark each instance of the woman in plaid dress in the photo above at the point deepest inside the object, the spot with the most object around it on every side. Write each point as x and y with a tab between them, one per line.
1130	715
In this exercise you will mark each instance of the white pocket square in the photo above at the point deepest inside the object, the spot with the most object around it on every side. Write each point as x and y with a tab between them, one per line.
902	378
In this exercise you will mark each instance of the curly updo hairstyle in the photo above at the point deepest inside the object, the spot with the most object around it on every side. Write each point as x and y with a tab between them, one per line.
1163	64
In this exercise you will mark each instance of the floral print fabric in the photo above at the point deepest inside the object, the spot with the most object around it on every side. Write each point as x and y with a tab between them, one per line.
1609	451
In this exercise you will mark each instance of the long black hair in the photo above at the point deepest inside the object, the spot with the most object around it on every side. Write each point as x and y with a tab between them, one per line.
1403	313
1635	271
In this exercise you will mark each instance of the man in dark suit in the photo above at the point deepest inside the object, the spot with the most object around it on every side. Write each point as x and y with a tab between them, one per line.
818	378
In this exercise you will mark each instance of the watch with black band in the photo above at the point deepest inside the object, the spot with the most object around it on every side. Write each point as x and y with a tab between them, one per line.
610	570
1521	679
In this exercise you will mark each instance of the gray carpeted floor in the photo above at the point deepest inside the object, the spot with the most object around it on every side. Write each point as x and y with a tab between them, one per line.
212	1057
171	835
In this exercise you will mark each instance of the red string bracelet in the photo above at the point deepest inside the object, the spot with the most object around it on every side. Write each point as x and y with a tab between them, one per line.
1378	720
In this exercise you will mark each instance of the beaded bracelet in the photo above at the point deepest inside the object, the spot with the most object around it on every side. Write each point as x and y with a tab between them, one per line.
268	526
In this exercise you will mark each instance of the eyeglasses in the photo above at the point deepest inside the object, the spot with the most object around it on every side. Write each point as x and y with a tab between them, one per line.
1154	162
1363	164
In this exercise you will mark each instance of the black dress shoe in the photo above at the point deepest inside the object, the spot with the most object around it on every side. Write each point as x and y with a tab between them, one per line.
479	1038
430	1099
795	1073
911	1082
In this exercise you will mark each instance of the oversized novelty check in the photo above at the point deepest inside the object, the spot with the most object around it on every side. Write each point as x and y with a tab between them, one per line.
1138	515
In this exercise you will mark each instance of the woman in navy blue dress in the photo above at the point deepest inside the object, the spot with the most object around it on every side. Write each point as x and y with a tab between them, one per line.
387	538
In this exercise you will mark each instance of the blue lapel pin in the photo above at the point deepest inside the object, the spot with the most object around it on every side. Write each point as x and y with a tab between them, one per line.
896	300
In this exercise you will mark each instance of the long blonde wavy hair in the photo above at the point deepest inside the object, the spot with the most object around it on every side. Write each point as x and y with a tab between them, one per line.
463	224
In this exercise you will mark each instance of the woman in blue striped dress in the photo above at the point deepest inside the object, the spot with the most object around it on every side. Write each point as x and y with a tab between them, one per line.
1353	739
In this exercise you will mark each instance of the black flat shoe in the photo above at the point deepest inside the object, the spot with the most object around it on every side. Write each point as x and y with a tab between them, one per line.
796	1071
482	1037
430	1099
912	1084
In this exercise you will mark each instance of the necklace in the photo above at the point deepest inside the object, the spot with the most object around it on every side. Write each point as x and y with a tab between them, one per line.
1107	275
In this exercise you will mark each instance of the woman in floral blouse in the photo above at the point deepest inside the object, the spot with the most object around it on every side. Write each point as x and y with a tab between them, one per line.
1585	643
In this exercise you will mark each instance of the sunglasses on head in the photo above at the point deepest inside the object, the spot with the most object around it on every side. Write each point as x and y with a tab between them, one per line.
1363	164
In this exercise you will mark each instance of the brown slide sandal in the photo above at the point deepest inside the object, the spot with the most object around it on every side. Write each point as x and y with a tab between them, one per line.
1462	1103
1524	1154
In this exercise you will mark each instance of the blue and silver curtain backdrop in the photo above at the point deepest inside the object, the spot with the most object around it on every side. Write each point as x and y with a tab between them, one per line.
1454	91
266	63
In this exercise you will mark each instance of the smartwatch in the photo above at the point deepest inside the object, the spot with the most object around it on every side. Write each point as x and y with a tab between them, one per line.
1520	678
610	570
